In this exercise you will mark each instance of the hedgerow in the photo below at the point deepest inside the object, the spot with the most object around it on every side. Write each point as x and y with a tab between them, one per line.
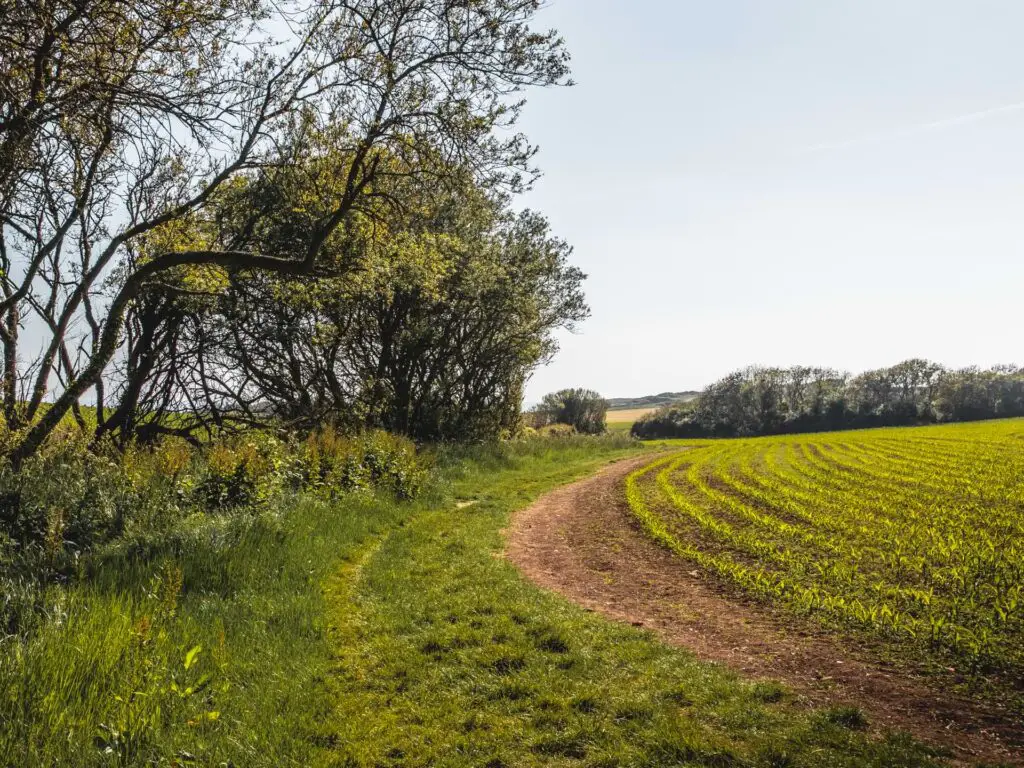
67	501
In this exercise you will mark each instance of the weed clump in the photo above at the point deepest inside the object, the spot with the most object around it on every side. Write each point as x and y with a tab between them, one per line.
847	717
768	692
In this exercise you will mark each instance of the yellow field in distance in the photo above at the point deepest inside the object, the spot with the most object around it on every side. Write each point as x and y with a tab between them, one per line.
628	415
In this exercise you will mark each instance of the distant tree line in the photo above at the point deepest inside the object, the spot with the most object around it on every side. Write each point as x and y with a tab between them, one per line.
771	401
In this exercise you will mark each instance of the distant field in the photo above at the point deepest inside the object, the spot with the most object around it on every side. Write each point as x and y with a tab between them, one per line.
626	416
915	535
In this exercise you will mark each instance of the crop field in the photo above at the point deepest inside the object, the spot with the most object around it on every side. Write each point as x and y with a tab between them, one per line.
912	534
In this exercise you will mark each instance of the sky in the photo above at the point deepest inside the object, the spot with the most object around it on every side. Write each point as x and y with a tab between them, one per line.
817	182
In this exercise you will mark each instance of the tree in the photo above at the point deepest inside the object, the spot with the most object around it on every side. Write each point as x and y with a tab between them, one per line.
452	361
122	122
453	306
583	409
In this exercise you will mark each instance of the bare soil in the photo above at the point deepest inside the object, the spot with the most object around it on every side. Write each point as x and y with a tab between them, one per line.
582	542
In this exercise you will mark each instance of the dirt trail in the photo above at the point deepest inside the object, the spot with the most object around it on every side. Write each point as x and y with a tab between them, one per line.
582	542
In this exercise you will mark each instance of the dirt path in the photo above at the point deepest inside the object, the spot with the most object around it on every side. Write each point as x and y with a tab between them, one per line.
582	542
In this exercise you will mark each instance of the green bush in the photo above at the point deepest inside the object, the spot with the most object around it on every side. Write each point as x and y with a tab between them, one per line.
583	409
240	472
64	499
330	463
556	430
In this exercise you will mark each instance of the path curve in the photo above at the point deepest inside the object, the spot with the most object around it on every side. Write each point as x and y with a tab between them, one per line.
582	541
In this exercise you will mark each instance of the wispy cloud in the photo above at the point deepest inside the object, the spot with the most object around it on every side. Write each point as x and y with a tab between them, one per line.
912	130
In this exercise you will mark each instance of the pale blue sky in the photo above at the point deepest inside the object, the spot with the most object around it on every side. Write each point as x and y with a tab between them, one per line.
785	181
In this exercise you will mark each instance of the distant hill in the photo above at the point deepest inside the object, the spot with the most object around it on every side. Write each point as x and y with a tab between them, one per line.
650	401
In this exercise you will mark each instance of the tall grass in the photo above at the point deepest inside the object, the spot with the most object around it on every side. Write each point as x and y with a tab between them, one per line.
211	642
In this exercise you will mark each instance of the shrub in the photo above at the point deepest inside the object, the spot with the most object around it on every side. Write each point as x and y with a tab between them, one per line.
667	422
329	463
240	472
556	430
65	498
582	409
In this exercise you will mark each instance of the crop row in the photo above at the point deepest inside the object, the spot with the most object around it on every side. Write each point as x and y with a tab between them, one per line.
916	534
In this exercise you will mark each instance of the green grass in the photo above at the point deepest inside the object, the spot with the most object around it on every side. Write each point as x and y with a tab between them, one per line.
368	632
97	685
619	427
453	659
621	420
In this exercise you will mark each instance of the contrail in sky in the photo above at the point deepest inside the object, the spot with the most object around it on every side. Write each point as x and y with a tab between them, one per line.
948	122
